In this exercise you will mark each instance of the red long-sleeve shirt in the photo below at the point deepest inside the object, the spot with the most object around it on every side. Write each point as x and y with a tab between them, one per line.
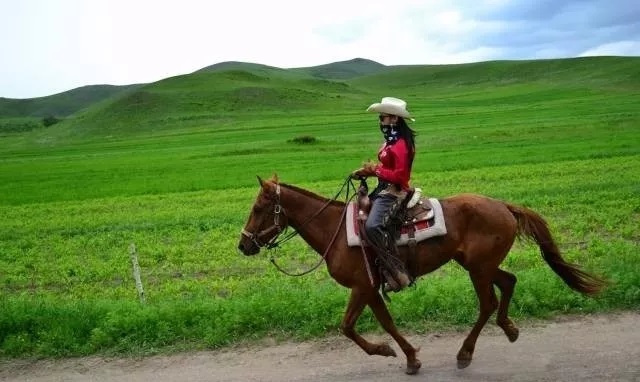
394	166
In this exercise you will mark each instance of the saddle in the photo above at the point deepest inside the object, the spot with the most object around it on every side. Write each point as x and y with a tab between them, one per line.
419	220
404	215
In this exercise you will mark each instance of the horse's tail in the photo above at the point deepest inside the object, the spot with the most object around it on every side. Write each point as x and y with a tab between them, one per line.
532	225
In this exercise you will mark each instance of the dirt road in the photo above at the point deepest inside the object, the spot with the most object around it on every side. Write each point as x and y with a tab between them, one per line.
591	348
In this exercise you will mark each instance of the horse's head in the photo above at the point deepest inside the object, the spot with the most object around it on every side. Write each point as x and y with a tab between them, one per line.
266	221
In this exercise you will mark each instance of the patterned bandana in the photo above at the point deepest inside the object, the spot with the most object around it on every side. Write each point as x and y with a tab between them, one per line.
391	134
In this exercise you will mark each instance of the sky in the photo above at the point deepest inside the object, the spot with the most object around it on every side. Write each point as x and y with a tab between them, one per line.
50	46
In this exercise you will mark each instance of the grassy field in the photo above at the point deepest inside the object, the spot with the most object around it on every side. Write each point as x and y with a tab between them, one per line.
171	167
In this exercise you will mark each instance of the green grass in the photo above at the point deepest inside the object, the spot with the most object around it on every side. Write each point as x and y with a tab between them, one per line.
175	174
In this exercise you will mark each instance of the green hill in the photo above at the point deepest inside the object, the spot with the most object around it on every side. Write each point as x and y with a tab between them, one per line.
237	94
256	69
619	71
62	104
69	102
343	70
206	97
236	65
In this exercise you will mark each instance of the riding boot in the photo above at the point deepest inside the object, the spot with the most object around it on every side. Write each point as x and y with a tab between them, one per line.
396	281
391	283
394	271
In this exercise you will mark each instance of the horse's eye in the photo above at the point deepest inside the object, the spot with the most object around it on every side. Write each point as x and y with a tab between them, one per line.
257	209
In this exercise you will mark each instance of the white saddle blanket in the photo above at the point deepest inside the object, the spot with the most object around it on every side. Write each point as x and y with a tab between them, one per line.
424	228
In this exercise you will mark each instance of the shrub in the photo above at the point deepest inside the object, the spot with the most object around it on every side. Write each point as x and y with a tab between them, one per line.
304	139
50	120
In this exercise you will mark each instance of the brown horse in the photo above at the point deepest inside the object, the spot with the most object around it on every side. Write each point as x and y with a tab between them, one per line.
480	233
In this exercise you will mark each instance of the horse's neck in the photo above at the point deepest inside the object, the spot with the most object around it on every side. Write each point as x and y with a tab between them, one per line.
301	212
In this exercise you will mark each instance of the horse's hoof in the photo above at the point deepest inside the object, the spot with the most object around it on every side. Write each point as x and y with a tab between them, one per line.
463	363
513	334
386	351
413	368
464	359
510	330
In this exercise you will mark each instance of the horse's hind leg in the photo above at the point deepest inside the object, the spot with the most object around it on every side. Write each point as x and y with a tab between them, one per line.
381	312
356	305
506	282
482	282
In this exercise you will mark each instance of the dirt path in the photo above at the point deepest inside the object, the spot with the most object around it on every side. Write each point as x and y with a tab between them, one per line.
592	348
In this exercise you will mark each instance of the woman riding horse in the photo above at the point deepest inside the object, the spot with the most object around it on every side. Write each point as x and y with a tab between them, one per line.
393	172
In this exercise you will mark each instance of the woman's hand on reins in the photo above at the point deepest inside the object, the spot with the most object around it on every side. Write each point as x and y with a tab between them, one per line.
367	169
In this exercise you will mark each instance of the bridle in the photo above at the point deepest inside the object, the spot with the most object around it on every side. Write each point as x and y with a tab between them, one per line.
276	226
274	242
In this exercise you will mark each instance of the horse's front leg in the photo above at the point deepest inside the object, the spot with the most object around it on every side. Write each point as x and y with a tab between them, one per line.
381	312
357	302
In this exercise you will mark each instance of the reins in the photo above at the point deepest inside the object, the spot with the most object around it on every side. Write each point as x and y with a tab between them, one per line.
348	183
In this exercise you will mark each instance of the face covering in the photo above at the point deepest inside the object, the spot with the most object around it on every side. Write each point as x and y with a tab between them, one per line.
391	134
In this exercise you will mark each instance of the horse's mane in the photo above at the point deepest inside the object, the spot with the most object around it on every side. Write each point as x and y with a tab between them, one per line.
312	195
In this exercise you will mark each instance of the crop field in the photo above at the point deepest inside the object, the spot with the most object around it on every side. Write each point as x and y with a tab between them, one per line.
178	180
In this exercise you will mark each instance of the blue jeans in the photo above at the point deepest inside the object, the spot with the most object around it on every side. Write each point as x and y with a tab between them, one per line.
384	243
375	226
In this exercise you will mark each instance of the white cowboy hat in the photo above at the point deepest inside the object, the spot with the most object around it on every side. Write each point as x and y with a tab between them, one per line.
391	105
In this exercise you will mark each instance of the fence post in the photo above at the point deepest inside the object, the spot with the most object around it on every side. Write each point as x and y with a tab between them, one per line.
136	271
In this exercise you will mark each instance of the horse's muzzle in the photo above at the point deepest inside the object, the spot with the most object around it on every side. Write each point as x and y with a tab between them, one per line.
247	247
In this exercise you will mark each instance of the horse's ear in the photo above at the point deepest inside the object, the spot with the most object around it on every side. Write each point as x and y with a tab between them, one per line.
275	177
260	180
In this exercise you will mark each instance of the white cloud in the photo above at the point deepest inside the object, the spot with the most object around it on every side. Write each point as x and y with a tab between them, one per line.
619	48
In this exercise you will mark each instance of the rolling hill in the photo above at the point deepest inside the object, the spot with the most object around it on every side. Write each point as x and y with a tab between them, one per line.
341	70
62	104
69	102
228	93
344	70
619	71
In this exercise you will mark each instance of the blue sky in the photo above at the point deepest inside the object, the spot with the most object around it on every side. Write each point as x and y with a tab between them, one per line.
50	46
